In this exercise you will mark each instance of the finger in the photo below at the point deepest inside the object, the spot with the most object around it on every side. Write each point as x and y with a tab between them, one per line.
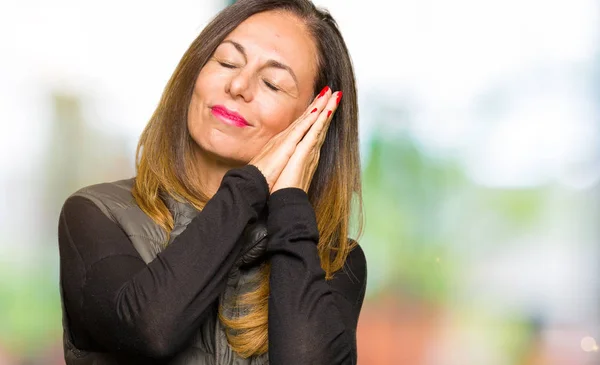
324	94
299	128
325	129
316	106
316	135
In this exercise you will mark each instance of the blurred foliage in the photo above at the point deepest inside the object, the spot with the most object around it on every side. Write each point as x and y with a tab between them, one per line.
77	155
30	313
405	233
422	210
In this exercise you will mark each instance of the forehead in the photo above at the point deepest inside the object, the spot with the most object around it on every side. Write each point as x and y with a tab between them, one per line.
280	36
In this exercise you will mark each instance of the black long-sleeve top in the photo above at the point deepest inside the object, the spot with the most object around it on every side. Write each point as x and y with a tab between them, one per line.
115	302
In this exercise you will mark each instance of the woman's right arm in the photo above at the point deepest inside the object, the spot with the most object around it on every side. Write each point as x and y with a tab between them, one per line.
152	310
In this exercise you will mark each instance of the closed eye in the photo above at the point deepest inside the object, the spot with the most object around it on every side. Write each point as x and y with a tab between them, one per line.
271	86
227	65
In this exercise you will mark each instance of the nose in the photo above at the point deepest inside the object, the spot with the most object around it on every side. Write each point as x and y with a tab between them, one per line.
240	85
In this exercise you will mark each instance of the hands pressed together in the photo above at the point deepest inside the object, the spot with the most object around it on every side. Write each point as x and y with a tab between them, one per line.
291	157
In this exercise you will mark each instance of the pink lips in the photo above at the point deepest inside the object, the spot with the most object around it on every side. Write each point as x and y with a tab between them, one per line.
229	117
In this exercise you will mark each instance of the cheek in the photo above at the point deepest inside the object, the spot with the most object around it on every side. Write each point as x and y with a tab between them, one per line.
194	109
210	80
277	117
205	84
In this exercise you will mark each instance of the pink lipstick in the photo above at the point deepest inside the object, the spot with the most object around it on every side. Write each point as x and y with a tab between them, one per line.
228	116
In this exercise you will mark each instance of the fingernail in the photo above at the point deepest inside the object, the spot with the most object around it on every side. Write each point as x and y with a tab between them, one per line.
339	97
328	113
323	91
314	110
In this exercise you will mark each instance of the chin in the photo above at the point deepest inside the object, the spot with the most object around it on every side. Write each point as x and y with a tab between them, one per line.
226	151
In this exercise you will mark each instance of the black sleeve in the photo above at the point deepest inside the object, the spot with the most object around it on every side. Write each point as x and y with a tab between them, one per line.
311	320
152	310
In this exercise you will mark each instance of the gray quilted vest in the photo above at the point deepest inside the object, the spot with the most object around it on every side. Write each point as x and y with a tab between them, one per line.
209	346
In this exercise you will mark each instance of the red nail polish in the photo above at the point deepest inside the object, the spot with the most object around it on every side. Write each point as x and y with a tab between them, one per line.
323	91
328	113
314	110
339	97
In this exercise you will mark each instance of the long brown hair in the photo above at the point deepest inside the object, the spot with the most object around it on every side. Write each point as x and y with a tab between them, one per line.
164	157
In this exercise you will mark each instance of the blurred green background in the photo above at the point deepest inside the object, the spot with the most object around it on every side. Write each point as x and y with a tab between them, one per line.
480	123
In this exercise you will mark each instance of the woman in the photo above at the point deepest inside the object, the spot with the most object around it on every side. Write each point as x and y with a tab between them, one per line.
230	245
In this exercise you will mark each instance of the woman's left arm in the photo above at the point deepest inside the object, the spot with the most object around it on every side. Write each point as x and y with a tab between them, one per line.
311	320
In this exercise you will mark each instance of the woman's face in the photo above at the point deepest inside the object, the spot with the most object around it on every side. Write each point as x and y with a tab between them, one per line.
258	81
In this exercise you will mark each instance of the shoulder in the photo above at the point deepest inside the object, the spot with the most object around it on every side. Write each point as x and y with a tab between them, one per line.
90	228
104	196
351	280
356	263
116	191
357	254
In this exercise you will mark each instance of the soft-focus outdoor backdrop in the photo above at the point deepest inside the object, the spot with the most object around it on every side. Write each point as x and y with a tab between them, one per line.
480	128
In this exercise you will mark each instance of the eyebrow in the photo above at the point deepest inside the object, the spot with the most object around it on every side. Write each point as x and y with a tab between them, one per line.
270	63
